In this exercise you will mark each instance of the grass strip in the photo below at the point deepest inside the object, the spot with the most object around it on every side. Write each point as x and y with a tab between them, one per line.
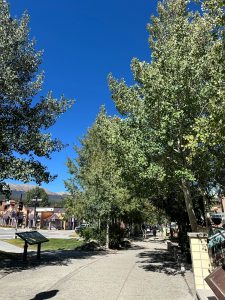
53	244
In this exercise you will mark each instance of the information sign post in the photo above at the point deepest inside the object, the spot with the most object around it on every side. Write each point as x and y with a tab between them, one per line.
32	238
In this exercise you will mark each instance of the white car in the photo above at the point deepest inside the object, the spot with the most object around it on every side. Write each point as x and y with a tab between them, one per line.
81	226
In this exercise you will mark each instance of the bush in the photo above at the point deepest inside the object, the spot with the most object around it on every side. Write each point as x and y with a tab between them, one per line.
87	233
115	235
93	233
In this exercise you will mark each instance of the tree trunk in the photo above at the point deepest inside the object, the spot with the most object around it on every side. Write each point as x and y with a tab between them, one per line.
99	224
189	205
107	234
206	206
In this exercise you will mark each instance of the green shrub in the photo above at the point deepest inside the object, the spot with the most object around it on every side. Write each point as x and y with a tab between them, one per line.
116	234
93	233
87	233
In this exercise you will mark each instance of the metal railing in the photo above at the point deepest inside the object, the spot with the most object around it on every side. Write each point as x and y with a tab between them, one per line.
216	245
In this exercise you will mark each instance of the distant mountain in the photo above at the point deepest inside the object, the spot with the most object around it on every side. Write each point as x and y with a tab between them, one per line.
21	189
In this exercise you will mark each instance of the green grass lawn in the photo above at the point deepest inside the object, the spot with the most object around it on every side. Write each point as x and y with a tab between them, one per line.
53	244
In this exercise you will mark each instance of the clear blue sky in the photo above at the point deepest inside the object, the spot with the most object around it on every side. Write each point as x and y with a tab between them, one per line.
83	42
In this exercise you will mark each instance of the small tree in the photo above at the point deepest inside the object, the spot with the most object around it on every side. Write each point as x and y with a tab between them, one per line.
97	173
39	193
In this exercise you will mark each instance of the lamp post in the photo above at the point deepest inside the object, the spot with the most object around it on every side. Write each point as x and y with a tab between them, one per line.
35	200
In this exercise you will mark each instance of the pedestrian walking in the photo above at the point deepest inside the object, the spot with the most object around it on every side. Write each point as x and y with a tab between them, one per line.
143	227
154	231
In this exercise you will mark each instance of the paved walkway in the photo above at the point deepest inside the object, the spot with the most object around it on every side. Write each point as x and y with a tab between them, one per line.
144	272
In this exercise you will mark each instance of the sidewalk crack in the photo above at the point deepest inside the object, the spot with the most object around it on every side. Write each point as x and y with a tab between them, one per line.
125	280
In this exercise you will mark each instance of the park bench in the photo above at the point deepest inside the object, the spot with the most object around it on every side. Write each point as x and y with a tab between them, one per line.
32	238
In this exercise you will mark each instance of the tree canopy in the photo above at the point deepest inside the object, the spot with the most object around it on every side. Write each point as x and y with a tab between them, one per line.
38	193
23	120
98	191
96	170
167	149
177	99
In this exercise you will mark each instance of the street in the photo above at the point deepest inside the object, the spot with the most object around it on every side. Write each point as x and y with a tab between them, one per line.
9	233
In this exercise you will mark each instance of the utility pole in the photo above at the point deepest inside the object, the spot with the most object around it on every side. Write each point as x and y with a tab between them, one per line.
35	200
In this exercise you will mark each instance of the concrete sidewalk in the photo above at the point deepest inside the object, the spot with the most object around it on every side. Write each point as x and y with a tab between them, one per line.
144	272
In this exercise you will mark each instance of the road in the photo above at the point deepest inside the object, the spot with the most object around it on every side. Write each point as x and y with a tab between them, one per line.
145	272
9	233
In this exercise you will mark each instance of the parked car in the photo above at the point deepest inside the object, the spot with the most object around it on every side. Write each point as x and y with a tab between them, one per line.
148	230
81	226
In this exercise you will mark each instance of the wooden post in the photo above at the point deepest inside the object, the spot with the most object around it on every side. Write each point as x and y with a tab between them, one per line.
39	251
107	234
25	251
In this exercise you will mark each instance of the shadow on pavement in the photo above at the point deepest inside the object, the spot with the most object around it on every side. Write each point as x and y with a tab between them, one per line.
10	263
136	247
160	260
45	295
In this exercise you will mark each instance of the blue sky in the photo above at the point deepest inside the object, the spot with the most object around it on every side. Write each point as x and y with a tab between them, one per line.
83	42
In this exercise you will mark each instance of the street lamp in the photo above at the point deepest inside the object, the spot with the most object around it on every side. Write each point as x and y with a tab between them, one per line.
35	200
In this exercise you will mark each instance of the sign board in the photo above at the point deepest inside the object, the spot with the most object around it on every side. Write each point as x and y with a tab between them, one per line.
44	209
216	281
32	237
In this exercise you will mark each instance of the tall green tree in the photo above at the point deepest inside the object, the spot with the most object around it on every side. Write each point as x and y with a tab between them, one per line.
36	193
104	195
97	172
75	205
175	97
23	121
